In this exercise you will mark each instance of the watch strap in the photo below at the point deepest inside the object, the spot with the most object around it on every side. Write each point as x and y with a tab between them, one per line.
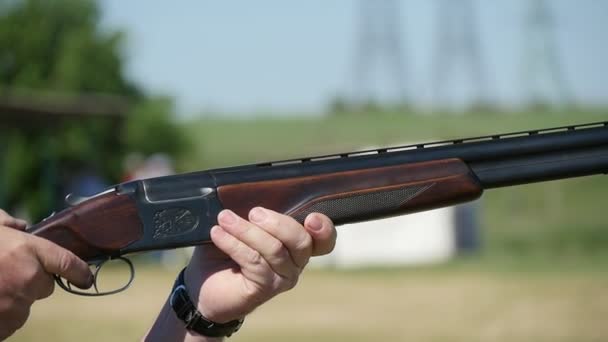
187	312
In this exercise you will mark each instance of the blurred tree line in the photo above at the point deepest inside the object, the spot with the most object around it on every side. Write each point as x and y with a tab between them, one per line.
59	46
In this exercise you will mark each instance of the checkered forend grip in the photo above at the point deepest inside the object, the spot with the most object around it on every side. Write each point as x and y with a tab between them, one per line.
368	204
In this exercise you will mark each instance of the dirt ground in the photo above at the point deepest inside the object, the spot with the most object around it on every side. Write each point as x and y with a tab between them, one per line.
374	305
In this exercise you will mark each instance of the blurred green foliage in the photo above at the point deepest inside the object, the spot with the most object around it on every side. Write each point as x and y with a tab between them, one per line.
58	47
149	129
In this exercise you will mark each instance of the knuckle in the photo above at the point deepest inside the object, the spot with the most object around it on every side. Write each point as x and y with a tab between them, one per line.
65	262
232	244
21	246
256	294
251	291
254	258
292	282
271	221
3	216
30	269
287	284
304	244
30	275
277	249
47	290
243	230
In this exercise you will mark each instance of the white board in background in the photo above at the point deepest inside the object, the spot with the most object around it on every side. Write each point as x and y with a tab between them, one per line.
421	238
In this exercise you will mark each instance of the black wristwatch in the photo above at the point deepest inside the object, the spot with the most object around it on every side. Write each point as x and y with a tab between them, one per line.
186	311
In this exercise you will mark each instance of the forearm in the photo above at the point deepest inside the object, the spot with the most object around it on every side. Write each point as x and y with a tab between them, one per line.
168	327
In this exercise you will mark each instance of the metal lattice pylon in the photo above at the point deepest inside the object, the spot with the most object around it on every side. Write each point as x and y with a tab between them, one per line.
544	79
378	45
457	49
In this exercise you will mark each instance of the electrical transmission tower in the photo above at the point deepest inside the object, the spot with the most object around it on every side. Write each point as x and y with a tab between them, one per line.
544	79
378	45
457	50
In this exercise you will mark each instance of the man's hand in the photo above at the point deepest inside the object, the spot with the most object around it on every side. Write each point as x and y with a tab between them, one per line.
249	262
26	267
253	260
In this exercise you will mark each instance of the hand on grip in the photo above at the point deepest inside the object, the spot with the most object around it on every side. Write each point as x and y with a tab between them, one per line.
27	264
253	260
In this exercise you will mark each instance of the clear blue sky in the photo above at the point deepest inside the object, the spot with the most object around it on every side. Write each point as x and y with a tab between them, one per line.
292	56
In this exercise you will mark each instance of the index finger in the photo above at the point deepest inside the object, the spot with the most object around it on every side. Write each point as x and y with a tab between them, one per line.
60	261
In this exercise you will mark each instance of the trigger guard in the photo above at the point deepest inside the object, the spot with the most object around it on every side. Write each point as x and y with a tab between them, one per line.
67	286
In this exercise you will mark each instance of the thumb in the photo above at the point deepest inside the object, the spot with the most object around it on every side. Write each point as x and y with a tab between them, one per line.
60	261
323	233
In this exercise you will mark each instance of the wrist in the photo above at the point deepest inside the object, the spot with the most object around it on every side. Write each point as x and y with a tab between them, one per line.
187	310
194	280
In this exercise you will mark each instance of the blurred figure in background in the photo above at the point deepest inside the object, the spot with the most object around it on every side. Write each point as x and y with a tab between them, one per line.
86	182
156	165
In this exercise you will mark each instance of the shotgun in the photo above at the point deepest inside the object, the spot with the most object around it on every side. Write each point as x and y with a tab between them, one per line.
179	210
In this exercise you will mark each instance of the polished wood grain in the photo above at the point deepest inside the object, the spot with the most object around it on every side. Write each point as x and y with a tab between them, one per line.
433	184
99	226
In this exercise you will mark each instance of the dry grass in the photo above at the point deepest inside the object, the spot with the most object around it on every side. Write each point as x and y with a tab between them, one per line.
399	305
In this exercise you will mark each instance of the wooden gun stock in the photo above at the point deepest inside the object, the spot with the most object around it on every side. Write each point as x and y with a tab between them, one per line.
97	228
353	196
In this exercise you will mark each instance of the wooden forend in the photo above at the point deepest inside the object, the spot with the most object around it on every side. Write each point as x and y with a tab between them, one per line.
359	195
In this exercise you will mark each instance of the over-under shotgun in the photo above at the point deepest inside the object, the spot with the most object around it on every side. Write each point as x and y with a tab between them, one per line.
176	211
